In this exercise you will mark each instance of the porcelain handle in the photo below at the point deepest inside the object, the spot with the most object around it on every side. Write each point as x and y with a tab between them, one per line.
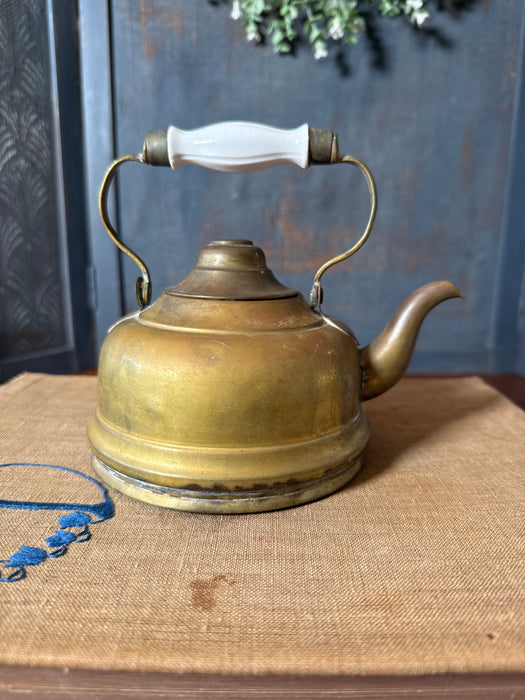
231	147
238	147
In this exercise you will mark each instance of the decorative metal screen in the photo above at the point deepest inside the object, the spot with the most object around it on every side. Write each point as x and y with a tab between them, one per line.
31	300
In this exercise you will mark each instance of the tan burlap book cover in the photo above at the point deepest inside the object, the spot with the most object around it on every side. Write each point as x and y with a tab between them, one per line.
415	567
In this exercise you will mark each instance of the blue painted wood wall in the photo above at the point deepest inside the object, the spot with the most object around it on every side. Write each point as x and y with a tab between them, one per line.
437	117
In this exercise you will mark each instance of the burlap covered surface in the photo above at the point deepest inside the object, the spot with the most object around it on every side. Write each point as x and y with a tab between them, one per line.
416	567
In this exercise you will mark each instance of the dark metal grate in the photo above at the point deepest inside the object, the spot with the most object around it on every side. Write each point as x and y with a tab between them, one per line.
31	303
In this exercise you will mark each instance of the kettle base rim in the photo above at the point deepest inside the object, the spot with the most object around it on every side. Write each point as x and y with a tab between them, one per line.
227	502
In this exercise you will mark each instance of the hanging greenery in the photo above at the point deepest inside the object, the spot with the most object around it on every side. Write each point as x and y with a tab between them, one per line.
321	20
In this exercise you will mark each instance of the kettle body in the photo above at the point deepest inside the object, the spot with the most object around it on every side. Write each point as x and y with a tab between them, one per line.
228	405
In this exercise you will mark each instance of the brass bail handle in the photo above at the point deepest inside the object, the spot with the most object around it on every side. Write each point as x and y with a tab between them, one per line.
143	283
237	147
316	293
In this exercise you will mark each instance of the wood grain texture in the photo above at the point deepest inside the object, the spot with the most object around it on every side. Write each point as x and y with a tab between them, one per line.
76	684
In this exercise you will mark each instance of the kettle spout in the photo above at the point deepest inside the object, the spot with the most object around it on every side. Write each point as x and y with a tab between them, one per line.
386	359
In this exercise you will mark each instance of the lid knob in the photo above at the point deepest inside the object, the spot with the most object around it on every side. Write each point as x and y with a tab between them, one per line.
231	269
232	254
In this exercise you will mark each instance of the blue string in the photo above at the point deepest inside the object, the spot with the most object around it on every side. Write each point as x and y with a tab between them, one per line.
74	527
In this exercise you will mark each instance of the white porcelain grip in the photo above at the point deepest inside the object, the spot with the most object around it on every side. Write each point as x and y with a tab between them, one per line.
238	147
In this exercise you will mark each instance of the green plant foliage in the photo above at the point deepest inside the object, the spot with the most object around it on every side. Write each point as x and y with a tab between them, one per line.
320	20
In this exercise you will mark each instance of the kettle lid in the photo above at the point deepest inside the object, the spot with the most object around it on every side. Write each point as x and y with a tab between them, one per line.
231	269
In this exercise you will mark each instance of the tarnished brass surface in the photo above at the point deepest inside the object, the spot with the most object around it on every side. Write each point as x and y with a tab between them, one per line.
316	293
323	147
202	501
155	148
143	283
222	404
229	397
231	269
386	359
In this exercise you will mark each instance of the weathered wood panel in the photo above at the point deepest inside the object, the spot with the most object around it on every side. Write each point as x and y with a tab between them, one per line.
433	123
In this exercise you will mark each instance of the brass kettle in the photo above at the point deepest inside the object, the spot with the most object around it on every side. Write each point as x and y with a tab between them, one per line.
231	393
